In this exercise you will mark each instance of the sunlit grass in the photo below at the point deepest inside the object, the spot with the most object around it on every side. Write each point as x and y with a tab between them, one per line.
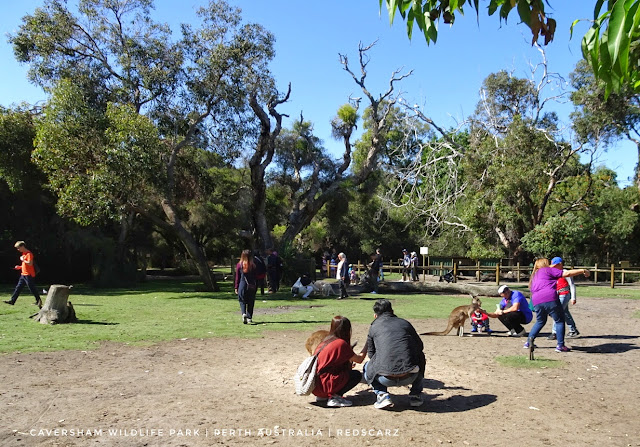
173	309
520	361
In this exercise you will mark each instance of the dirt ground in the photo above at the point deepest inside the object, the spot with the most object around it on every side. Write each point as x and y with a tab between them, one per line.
240	392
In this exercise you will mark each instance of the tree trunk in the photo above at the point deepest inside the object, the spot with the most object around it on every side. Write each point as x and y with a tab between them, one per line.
57	309
173	225
258	212
441	287
192	247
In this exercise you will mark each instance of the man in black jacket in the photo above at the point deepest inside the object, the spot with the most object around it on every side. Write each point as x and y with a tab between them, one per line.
396	357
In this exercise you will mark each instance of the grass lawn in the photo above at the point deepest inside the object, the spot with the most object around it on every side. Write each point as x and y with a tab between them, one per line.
173	309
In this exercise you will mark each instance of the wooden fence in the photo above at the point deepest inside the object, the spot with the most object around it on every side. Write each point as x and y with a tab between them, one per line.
499	271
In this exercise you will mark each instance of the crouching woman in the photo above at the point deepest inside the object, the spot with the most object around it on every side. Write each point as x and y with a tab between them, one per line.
336	359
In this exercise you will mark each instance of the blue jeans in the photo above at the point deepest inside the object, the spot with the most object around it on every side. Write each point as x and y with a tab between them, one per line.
381	383
25	280
553	308
568	318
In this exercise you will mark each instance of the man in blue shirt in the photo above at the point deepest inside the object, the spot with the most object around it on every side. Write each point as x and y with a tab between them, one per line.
513	311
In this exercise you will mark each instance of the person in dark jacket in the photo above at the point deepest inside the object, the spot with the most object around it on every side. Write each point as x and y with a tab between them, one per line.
342	275
246	285
396	357
374	271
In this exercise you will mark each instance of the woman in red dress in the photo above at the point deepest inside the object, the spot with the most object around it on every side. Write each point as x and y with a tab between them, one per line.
336	375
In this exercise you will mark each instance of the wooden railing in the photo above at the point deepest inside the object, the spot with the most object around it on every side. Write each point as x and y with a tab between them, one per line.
519	272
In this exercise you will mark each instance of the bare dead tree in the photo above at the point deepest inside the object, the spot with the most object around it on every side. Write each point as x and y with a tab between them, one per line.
427	186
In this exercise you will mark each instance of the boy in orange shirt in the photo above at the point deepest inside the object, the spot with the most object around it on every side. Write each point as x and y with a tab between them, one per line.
27	275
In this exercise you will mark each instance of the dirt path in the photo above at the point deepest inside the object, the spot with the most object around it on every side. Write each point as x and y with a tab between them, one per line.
239	392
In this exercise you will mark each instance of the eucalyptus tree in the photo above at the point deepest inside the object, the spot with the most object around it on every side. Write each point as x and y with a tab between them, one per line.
600	119
132	101
517	158
603	229
17	132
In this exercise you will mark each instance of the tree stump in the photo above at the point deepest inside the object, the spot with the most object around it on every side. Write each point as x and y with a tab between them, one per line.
57	309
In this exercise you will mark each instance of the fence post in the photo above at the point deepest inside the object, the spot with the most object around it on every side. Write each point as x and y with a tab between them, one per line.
358	267
595	274
518	272
455	272
478	270
613	272
622	282
498	273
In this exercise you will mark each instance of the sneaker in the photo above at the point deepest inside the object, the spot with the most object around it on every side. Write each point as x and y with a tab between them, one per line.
244	318
475	329
415	400
573	334
383	400
522	333
489	331
338	401
526	345
9	302
552	337
511	333
562	349
249	320
321	399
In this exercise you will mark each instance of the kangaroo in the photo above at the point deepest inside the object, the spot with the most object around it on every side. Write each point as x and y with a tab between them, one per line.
316	338
458	316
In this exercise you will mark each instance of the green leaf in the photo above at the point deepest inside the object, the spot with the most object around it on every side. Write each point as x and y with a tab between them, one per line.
505	10
391	7
616	36
524	12
493	6
410	18
596	10
631	24
431	31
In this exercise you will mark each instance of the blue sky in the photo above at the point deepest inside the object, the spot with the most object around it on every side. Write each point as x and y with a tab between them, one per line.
310	35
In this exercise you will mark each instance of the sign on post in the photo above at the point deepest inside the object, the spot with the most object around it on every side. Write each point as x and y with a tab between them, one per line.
424	251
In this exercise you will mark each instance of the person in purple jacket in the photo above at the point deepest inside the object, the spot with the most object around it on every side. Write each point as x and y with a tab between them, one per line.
544	298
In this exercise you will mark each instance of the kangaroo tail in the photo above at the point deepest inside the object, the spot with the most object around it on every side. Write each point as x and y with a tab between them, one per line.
445	332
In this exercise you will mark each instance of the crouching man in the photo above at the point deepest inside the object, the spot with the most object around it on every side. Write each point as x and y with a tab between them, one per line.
396	357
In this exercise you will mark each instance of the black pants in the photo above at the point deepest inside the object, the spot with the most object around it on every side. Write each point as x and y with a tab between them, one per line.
343	289
354	379
513	321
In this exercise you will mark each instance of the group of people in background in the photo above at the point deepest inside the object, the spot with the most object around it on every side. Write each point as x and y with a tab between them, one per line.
409	265
552	290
